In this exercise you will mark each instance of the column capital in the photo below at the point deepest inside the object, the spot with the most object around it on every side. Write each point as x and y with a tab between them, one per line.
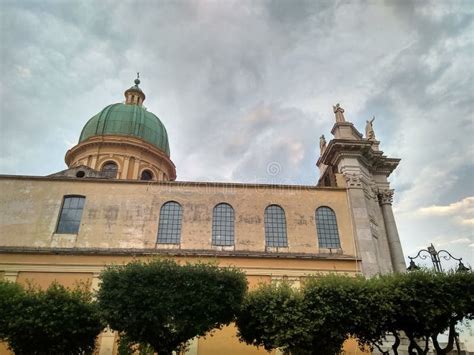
353	180
386	196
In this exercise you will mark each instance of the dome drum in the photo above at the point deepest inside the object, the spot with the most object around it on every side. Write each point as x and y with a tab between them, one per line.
132	156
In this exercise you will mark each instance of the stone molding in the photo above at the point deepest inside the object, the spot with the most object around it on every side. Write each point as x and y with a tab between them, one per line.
176	252
203	184
14	269
374	160
353	180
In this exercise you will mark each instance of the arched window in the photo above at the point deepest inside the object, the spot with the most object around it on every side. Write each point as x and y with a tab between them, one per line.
275	227
146	175
326	226
169	229
70	216
110	169
223	225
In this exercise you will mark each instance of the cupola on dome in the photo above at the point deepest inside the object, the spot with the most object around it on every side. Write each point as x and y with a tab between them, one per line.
128	119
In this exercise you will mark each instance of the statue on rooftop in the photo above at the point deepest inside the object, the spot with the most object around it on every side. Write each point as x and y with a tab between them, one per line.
322	144
339	111
369	130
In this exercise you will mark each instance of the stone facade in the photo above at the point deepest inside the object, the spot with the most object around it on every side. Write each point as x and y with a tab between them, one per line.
365	170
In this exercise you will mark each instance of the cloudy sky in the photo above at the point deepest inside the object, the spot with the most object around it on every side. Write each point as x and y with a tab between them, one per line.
243	86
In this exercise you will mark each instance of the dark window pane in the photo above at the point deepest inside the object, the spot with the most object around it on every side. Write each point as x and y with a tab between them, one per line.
110	169
146	175
169	229
275	227
70	216
223	225
326	226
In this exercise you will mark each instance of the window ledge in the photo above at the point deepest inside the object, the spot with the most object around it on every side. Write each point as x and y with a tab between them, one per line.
168	246
330	250
223	247
277	249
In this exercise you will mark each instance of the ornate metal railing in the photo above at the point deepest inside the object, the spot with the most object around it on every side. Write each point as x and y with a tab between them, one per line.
436	257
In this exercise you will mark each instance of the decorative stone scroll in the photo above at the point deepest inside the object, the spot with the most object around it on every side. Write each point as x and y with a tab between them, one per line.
353	180
386	196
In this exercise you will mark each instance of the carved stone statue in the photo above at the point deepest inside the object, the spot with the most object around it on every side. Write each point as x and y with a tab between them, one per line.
369	130
339	111
322	144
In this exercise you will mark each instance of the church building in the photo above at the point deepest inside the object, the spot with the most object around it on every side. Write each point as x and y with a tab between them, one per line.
119	200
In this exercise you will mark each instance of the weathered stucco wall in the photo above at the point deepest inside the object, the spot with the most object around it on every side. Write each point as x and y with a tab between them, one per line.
125	214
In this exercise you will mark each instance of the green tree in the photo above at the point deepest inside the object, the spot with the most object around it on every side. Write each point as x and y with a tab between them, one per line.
273	316
335	305
421	305
314	320
10	292
52	321
164	304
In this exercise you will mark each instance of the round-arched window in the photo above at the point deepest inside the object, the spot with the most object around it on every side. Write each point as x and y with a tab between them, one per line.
146	175
275	227
110	169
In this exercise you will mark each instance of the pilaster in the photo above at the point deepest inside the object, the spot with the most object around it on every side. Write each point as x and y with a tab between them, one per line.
367	246
10	275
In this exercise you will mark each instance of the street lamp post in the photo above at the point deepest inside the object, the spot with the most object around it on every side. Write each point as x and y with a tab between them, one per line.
435	259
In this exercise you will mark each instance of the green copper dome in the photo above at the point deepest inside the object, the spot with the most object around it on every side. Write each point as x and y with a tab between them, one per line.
128	120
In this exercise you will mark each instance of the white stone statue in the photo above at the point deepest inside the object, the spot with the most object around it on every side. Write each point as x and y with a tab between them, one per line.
339	111
369	130
322	144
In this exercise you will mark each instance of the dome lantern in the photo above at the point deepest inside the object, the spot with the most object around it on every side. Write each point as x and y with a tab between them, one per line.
134	95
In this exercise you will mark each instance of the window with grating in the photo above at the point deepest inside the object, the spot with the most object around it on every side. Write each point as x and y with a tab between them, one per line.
223	225
275	227
110	169
169	229
71	214
326	226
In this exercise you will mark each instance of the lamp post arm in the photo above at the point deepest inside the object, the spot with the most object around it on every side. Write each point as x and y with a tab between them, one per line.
449	256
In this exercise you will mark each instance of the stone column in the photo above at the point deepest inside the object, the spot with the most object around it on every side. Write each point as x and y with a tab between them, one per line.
396	253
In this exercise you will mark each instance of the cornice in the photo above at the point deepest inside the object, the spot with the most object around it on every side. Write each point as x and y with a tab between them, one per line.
176	253
202	184
374	160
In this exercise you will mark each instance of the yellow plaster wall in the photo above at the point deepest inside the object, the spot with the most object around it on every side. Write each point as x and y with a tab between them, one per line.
225	341
42	269
44	279
125	214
